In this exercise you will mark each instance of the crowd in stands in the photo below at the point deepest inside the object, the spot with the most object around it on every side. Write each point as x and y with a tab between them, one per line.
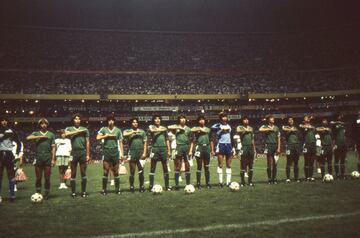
103	84
108	62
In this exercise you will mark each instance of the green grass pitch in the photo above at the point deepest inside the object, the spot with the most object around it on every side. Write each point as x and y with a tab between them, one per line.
286	210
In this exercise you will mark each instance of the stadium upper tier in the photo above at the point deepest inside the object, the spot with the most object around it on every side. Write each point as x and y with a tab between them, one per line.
48	61
29	48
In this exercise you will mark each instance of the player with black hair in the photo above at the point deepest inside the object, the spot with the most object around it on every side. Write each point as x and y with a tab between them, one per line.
224	149
340	148
80	144
272	147
160	150
247	151
137	140
7	137
292	149
326	153
309	147
112	151
44	156
183	149
204	148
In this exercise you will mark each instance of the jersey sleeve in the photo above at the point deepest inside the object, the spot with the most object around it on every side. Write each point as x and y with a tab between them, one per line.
87	133
144	136
120	136
166	135
52	139
101	131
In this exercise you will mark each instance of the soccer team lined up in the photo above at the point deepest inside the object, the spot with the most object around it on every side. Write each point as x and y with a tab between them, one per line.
199	142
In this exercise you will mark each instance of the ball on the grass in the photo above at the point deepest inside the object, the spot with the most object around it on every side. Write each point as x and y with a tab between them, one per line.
189	189
328	178
234	186
36	198
157	189
355	174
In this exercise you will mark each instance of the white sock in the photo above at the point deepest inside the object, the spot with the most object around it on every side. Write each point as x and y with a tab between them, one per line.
220	174
228	176
142	162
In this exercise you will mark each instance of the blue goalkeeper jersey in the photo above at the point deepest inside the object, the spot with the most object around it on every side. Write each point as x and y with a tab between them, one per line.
223	137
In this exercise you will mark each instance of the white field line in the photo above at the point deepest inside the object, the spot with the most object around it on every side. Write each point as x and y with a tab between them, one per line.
230	226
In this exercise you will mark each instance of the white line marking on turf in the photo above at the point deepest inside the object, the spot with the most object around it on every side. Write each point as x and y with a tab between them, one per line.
231	226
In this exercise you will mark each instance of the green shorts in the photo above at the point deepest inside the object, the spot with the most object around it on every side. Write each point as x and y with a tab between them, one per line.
270	149
62	160
79	156
111	155
42	161
247	151
200	149
182	150
327	151
310	149
158	153
293	150
135	154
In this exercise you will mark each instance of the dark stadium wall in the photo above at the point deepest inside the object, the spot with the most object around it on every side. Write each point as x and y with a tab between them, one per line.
175	15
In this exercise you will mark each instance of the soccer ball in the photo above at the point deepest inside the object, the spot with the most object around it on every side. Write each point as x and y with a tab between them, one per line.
189	189
157	189
328	178
355	174
234	186
36	198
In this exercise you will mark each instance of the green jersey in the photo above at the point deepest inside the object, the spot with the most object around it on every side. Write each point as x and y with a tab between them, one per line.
183	135
78	142
291	137
202	137
273	135
339	134
325	137
158	139
309	135
136	141
246	137
44	146
111	142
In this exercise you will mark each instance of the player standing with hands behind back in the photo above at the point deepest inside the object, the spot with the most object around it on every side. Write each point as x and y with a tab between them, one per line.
80	144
